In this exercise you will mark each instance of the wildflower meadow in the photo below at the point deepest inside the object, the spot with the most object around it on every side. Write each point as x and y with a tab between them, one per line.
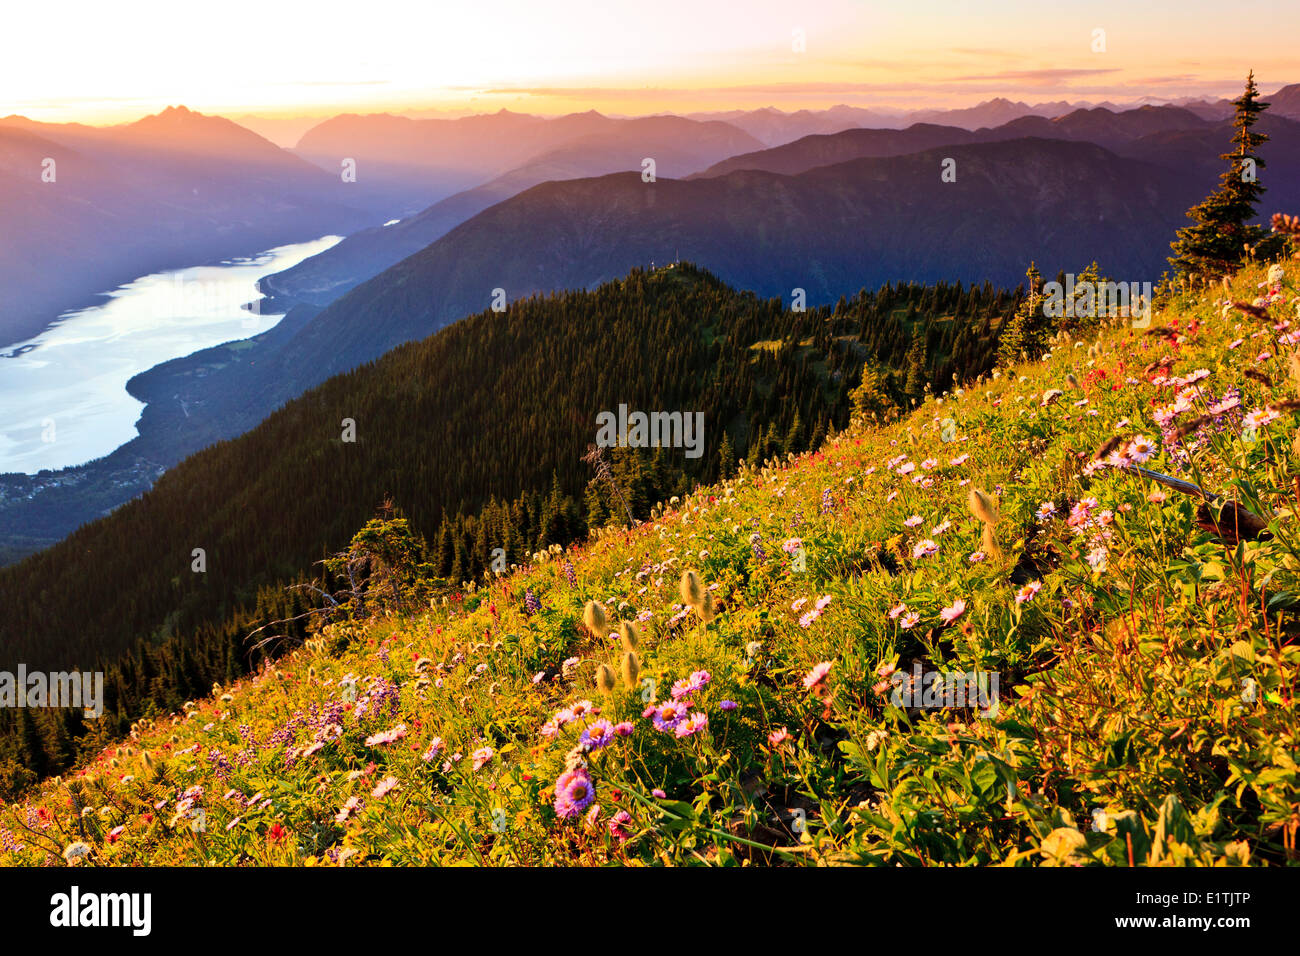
1102	543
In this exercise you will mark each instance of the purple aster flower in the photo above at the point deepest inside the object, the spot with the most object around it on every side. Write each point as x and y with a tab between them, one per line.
574	792
598	734
669	715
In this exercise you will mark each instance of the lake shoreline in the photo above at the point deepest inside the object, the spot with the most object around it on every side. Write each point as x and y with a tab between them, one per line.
75	374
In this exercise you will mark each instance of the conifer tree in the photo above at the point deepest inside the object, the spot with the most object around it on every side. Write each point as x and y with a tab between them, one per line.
1022	334
916	376
726	457
794	437
1220	235
35	756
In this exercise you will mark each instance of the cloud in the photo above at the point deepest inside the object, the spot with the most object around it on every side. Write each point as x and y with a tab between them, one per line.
1033	77
1183	78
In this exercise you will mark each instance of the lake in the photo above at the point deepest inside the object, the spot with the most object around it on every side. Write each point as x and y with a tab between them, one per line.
63	398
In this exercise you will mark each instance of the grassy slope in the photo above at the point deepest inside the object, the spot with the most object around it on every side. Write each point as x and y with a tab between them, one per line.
1122	689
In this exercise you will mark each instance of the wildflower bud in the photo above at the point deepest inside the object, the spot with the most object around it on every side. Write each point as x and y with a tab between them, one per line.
593	615
692	592
982	506
627	630
146	759
631	668
706	609
604	679
1071	380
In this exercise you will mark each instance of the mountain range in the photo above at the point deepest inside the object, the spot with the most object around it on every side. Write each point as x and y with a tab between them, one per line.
678	147
1137	133
827	214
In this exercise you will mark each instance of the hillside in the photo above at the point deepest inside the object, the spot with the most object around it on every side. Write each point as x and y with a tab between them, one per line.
1141	658
473	416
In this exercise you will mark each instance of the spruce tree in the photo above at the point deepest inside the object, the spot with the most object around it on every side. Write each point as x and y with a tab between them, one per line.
35	756
726	457
916	376
1021	334
871	399
1216	242
794	436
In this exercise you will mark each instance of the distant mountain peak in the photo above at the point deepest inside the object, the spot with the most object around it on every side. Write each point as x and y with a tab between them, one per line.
173	115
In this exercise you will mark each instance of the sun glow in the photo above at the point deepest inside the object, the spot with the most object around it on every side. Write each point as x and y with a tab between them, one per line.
102	63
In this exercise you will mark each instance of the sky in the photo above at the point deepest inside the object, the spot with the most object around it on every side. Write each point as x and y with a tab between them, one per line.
97	62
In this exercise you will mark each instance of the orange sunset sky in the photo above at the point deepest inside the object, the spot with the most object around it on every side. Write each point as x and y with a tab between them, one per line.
109	62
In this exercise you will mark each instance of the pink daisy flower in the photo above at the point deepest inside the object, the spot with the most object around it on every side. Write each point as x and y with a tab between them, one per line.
816	677
924	549
695	722
778	737
953	611
1027	592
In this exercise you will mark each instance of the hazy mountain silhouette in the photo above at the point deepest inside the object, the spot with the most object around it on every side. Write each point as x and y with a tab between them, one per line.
678	146
322	278
171	190
418	162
